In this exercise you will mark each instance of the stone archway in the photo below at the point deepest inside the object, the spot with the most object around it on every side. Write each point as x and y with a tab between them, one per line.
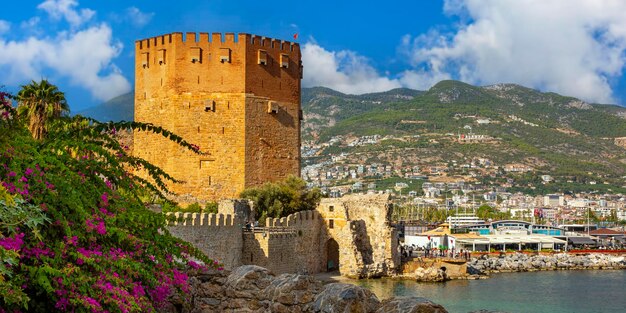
332	255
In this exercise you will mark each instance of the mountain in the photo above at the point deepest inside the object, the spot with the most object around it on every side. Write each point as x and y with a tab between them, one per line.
120	108
453	122
324	107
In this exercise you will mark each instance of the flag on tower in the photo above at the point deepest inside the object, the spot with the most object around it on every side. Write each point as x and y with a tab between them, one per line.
295	36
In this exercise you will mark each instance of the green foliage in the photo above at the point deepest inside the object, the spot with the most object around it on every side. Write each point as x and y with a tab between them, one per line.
282	198
193	208
211	207
74	233
487	212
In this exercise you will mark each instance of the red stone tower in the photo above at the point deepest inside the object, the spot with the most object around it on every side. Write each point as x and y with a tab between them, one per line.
237	97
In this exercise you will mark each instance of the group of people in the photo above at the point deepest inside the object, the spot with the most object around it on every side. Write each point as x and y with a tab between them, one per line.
406	251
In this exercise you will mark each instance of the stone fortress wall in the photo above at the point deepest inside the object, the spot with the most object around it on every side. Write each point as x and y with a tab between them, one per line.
352	233
235	96
219	234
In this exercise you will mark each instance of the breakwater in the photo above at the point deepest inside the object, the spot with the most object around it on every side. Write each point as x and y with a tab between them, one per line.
520	262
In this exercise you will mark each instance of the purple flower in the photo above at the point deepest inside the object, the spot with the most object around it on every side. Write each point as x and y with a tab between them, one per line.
49	186
138	290
62	304
194	265
12	174
105	198
23	179
101	228
71	240
28	172
10	243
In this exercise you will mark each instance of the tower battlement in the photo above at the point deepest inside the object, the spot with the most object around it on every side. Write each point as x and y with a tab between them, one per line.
167	40
237	96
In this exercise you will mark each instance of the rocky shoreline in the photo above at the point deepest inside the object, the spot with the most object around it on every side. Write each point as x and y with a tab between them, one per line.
251	288
520	262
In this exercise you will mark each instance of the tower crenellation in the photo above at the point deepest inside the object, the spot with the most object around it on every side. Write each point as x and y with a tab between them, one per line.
237	96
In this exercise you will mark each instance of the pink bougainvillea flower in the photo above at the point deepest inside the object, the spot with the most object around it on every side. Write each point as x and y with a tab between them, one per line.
12	243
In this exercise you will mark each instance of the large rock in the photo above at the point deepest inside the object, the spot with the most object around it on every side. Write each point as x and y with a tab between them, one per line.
410	305
252	288
292	289
340	298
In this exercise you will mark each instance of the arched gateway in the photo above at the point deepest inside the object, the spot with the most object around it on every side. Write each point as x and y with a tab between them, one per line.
332	255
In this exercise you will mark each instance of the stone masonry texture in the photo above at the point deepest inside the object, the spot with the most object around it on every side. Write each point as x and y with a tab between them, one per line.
235	96
365	243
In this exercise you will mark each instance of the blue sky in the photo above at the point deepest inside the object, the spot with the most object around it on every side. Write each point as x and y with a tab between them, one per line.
573	47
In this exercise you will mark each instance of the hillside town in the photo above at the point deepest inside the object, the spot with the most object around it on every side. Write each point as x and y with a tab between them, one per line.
455	185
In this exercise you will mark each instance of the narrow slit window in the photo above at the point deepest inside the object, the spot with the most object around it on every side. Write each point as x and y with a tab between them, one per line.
331	224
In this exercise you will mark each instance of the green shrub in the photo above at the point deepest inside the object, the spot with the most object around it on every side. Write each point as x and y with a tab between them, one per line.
210	207
282	198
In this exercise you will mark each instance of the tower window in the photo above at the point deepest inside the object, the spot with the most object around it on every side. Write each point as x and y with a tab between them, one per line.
262	57
161	56
225	55
284	60
195	55
145	59
331	224
209	106
272	107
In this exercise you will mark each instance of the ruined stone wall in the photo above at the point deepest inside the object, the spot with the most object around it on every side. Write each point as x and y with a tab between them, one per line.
218	236
236	97
368	244
286	245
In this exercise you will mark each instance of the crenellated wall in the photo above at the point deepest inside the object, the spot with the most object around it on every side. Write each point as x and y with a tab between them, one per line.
352	232
287	245
217	235
235	96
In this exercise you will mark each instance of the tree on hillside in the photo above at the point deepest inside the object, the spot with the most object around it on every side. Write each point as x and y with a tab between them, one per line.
40	103
282	198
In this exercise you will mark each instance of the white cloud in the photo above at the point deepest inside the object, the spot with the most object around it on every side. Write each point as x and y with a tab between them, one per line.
5	26
58	9
574	47
138	18
30	24
344	71
83	55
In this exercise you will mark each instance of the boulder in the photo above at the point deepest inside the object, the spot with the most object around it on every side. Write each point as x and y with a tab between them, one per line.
345	298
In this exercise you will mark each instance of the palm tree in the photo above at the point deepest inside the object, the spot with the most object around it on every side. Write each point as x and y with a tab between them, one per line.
40	103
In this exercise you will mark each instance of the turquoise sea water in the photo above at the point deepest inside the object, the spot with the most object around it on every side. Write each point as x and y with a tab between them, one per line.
550	291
